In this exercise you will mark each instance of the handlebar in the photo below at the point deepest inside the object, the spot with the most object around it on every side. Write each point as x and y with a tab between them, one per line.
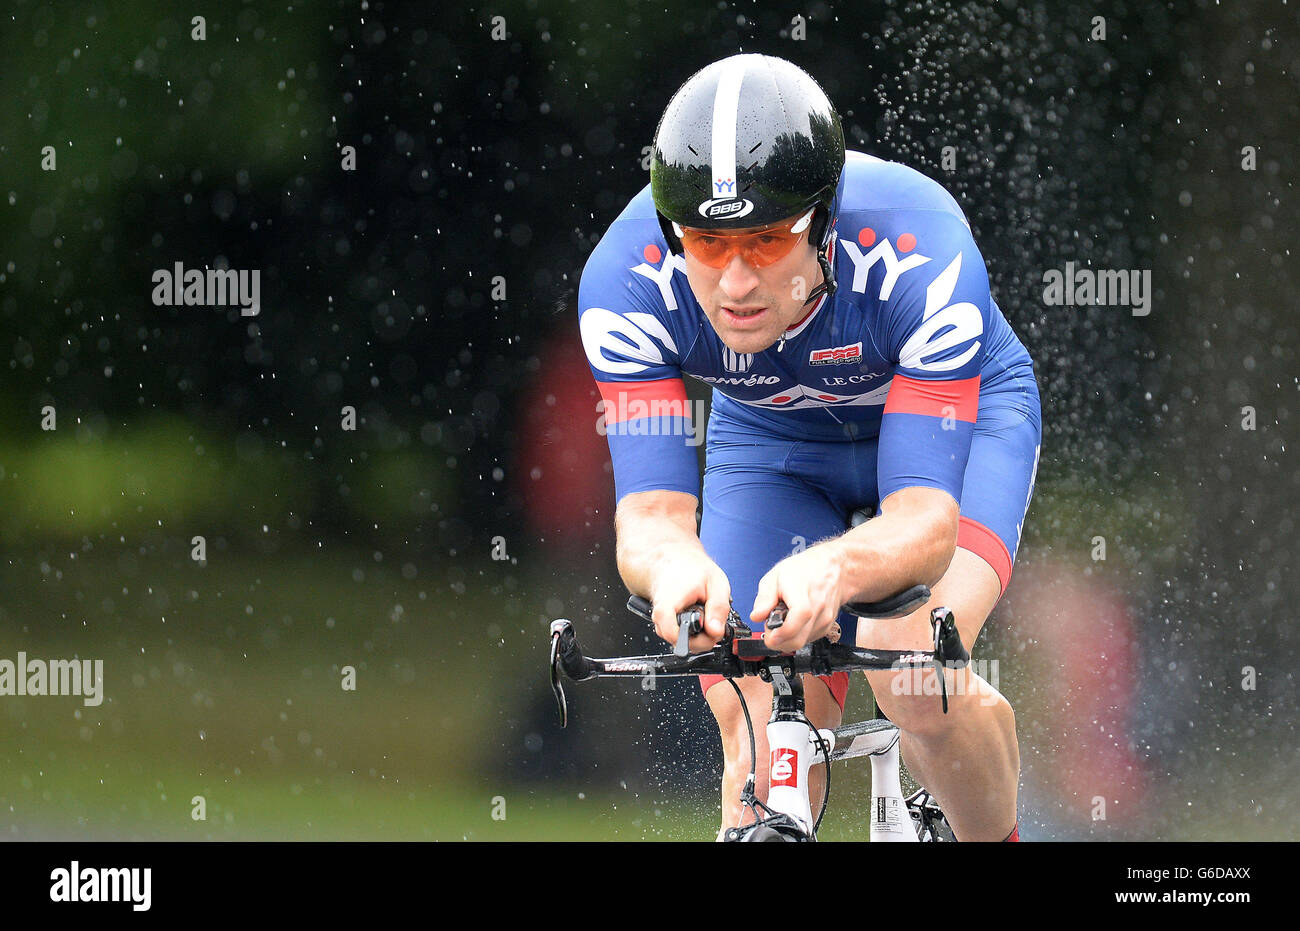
741	653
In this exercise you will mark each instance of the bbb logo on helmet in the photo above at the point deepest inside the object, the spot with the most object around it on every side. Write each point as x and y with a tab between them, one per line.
725	207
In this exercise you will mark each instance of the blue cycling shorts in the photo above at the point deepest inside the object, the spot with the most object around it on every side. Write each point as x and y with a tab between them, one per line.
766	497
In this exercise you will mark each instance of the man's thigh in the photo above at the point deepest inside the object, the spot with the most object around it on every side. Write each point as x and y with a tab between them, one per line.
969	588
910	697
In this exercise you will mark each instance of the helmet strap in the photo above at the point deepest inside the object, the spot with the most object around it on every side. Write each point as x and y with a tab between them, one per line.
822	233
828	284
674	243
817	230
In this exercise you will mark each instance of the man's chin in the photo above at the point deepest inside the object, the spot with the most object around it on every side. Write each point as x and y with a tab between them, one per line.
741	341
749	343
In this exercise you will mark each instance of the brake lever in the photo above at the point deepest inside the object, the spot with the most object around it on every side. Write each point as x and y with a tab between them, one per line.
777	618
556	687
689	623
948	648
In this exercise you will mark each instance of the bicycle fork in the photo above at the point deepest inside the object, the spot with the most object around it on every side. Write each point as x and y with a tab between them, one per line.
793	747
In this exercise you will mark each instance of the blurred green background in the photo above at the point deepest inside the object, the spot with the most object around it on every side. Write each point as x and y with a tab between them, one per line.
479	158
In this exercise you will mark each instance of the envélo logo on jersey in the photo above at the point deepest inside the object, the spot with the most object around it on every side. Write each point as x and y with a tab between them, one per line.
623	345
944	327
740	381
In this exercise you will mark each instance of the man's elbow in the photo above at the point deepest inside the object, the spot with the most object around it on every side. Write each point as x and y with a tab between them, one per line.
942	543
935	515
940	559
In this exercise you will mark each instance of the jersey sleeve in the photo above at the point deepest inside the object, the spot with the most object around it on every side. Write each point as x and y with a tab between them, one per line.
634	357
935	331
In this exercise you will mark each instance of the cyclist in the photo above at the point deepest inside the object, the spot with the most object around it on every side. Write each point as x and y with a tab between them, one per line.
840	309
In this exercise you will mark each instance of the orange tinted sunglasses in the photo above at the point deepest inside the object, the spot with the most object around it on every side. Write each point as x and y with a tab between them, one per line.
759	248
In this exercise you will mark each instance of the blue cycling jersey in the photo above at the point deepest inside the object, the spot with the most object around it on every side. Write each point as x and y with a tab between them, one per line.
908	350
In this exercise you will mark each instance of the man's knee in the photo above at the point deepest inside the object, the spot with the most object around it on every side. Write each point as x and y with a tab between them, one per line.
912	700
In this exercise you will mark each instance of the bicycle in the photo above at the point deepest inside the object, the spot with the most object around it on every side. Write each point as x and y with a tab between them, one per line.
792	738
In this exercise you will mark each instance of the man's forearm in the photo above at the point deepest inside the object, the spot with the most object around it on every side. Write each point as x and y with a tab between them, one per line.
892	552
647	532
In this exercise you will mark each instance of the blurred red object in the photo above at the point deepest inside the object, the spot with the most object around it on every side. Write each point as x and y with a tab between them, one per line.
563	471
1085	660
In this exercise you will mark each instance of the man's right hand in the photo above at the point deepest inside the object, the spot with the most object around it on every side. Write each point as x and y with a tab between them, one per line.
683	581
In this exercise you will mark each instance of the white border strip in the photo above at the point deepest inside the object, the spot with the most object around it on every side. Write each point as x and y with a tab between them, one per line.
726	103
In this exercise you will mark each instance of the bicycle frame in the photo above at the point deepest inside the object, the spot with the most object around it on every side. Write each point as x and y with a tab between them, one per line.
794	744
792	739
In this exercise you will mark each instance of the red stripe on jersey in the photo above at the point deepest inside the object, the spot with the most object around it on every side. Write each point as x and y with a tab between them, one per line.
987	545
629	400
959	399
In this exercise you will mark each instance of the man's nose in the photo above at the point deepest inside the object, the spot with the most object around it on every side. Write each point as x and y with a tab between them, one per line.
738	278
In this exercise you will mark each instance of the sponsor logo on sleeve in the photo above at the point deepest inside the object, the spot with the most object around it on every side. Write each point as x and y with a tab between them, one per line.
661	274
624	344
944	327
881	251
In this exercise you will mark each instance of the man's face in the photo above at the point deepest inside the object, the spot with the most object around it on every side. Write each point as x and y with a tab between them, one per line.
750	306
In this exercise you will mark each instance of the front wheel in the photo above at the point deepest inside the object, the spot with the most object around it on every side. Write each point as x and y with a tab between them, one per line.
767	835
777	829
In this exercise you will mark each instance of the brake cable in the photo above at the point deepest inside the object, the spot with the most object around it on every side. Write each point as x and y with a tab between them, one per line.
826	755
747	797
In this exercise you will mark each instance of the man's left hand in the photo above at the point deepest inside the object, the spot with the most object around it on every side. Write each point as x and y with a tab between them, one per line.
809	584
